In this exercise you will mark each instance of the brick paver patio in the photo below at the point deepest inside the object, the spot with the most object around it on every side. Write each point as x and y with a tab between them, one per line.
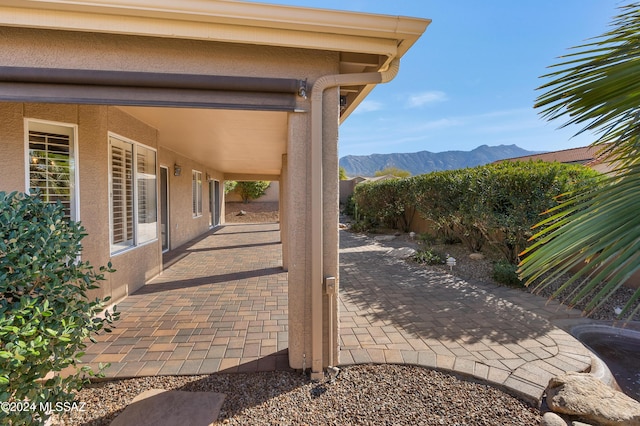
392	312
221	305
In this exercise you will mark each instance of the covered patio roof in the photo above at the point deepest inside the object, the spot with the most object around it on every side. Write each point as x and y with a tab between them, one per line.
240	140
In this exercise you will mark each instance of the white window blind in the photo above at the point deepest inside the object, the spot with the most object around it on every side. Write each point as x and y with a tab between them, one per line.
51	164
134	195
121	194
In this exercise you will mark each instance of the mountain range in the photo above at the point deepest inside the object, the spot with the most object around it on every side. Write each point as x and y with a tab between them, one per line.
424	161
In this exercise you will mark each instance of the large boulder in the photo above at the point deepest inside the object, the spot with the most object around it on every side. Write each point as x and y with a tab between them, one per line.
583	395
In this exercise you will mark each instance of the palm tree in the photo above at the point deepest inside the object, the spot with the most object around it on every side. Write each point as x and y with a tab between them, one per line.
596	231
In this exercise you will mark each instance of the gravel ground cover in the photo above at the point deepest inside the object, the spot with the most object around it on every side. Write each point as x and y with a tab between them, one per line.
254	212
361	395
481	271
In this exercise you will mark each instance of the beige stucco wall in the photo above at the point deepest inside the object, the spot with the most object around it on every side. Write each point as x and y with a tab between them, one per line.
44	48
297	204
183	227
134	266
68	49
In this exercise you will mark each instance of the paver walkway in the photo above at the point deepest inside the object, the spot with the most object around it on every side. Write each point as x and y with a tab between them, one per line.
393	312
221	305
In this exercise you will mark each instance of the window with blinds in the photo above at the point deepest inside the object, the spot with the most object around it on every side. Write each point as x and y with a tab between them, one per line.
134	205
196	191
51	164
121	194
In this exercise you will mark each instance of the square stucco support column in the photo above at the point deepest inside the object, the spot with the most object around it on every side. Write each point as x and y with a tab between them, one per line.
282	196
331	206
298	235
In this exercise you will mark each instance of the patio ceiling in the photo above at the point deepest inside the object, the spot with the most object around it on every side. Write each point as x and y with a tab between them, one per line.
230	141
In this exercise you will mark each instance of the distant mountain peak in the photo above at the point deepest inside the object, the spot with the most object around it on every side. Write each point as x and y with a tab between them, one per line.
425	161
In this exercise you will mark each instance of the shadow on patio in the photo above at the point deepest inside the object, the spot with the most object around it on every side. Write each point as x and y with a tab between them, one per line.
393	312
219	305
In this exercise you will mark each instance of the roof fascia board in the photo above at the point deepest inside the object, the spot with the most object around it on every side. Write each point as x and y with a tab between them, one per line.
243	13
235	22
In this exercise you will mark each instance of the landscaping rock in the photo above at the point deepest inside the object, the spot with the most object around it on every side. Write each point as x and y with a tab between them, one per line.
552	419
476	256
159	407
384	237
583	395
402	252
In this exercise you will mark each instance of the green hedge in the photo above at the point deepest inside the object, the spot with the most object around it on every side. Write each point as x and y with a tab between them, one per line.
388	202
494	204
45	312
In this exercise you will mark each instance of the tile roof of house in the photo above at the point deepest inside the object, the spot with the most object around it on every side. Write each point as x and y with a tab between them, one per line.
582	155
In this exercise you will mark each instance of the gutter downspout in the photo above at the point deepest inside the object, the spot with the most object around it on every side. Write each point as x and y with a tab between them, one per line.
317	243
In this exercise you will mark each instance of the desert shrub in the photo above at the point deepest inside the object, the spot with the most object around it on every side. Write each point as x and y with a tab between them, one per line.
497	203
229	185
389	202
506	273
519	192
349	207
360	226
45	314
449	200
428	257
251	190
426	238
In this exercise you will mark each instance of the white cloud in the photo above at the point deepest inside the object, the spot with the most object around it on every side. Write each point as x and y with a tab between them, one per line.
424	98
368	106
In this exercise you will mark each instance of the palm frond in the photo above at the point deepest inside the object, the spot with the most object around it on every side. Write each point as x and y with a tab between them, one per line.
595	235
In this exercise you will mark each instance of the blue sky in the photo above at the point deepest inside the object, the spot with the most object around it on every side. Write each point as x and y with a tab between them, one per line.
471	79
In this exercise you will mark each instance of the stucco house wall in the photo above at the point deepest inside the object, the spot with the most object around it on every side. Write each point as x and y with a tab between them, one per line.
133	267
48	48
209	39
183	225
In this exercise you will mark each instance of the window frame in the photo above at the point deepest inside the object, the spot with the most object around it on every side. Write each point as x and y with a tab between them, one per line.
196	193
56	127
116	249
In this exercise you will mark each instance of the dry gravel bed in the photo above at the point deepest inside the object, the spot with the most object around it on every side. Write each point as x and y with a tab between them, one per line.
255	212
481	271
361	395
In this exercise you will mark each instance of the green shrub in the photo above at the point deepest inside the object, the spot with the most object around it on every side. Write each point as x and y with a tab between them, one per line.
519	192
45	314
448	199
497	203
506	273
360	226
251	190
389	202
426	238
429	257
349	207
